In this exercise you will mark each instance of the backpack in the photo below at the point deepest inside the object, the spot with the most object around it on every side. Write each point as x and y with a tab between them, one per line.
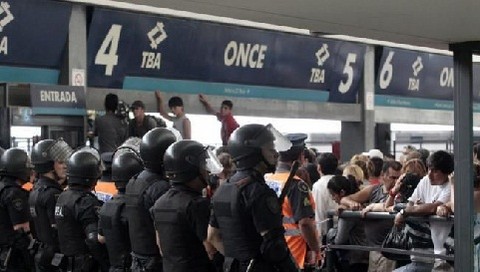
159	121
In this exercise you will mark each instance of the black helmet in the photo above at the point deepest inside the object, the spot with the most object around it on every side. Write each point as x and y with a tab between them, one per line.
84	167
246	142
153	146
40	157
126	164
16	163
106	158
184	159
46	152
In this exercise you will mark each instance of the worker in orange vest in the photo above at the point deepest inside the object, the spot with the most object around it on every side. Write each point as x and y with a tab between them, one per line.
105	188
298	208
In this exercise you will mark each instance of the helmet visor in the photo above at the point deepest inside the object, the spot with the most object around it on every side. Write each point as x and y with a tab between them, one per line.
132	143
212	164
60	151
281	142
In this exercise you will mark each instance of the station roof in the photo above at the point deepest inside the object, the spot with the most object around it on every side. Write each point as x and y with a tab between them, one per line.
428	23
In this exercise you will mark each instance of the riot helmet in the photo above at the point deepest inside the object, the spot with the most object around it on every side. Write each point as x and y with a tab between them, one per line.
185	160
153	146
126	164
251	144
46	152
16	163
84	167
40	157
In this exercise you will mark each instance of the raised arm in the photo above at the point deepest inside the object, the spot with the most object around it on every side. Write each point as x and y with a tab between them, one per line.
160	107
206	104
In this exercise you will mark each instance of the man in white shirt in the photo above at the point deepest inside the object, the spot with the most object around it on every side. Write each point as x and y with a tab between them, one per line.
327	165
432	191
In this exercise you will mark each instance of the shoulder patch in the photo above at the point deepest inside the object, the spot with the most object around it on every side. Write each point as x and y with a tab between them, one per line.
303	187
273	205
17	204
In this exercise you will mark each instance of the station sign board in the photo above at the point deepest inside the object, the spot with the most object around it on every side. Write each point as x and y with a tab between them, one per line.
33	35
148	52
413	79
57	100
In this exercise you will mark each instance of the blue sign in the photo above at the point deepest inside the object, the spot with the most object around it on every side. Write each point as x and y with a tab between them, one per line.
146	52
56	99
33	35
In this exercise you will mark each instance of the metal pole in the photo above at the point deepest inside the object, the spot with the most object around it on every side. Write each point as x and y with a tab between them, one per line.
463	133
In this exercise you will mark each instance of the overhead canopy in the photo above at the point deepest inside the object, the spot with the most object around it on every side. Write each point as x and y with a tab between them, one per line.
430	23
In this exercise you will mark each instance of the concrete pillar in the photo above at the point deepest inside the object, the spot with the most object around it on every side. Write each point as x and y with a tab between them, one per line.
463	133
357	137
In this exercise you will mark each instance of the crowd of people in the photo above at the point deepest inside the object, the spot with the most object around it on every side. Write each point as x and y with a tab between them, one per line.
258	203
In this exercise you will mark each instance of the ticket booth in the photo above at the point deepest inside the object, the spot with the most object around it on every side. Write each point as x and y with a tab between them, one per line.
31	112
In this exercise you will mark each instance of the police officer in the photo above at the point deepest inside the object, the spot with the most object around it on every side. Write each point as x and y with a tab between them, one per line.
181	215
76	214
297	206
15	237
113	222
141	194
49	159
246	211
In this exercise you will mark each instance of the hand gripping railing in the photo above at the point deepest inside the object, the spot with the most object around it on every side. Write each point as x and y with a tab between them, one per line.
387	216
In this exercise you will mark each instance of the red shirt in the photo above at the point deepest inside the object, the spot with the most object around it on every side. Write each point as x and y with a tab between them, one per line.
228	126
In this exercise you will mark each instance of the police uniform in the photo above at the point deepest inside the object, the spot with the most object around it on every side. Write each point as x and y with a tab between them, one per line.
298	204
13	211
246	211
254	208
76	214
42	202
113	225
181	219
141	195
181	215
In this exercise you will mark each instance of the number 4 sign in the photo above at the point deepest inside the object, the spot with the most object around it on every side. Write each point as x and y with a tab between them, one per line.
110	44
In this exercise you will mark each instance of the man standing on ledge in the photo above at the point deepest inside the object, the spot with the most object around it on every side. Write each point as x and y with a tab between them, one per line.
224	115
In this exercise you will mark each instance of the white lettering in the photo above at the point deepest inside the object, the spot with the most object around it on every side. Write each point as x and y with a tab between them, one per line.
244	55
446	77
413	84
58	211
58	96
151	60
4	46
317	75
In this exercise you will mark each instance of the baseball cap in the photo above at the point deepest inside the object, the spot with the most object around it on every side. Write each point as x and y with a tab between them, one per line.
138	104
372	153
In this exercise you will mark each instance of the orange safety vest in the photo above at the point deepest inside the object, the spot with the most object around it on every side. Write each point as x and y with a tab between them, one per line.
104	190
28	186
293	235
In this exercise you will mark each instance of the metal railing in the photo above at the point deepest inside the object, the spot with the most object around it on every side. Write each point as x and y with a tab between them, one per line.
386	216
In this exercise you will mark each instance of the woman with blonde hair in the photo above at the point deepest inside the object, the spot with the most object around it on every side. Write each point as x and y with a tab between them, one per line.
355	171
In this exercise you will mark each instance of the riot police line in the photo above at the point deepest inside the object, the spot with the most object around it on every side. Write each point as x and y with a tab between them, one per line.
158	221
392	253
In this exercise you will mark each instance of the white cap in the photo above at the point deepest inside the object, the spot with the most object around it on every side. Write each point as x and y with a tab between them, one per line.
375	153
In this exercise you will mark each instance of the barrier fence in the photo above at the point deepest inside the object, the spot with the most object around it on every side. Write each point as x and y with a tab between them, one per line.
385	216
